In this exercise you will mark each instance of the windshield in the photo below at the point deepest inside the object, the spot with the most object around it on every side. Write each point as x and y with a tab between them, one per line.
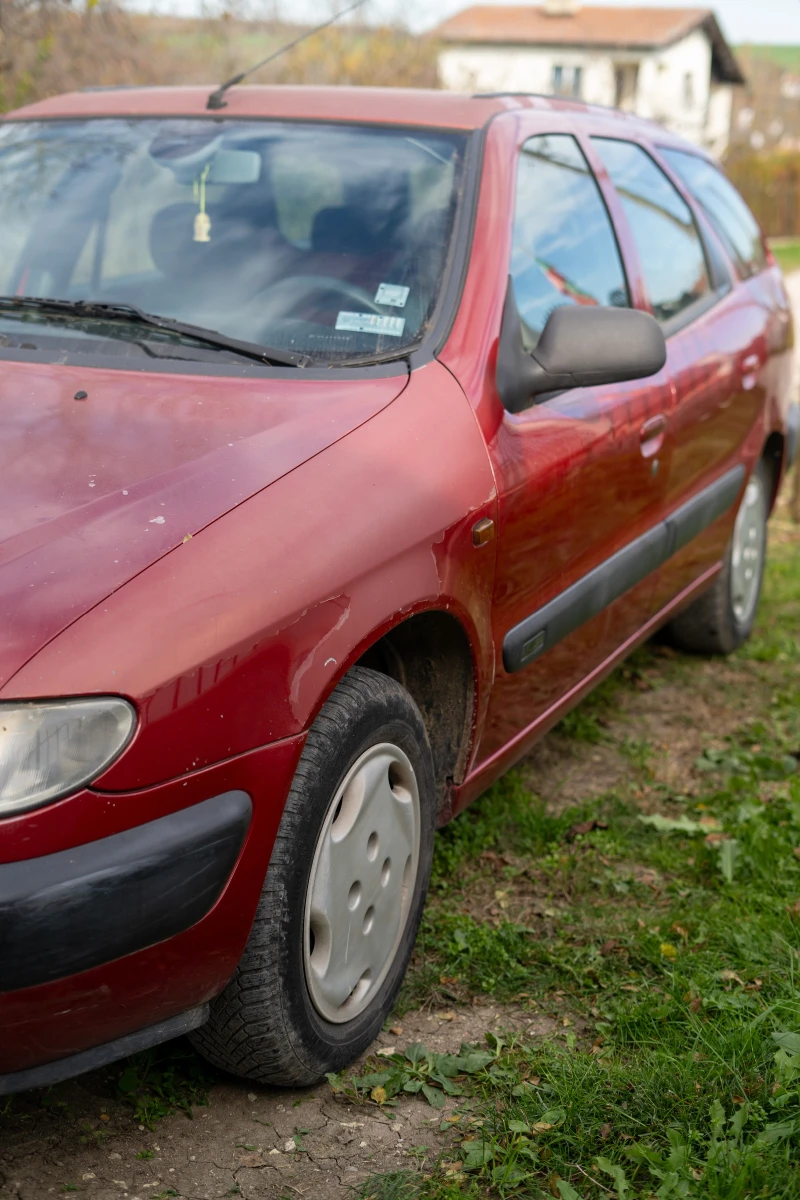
323	239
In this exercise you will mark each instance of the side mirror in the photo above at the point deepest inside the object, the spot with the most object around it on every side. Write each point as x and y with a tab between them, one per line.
578	347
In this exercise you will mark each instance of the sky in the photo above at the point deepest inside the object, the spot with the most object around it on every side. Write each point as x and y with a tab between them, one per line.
757	21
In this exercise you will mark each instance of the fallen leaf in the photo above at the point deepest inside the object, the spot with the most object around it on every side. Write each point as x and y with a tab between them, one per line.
105	1117
605	1131
253	1160
541	1127
755	985
584	827
396	1030
731	977
668	950
715	839
679	929
447	1015
696	1004
565	1021
378	1094
609	946
188	538
454	1168
386	1051
290	1145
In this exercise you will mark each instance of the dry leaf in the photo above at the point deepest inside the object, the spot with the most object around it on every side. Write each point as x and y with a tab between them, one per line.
696	1004
679	929
565	1021
731	976
386	1051
378	1094
605	1131
396	1030
448	1015
609	946
541	1127
584	827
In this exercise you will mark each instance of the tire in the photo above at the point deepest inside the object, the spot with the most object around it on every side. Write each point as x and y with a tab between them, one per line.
281	1019
720	620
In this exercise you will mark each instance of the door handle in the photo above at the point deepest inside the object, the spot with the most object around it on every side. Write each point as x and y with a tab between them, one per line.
651	435
751	365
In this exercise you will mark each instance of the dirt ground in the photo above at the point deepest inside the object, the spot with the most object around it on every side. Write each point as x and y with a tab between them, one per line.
243	1143
255	1142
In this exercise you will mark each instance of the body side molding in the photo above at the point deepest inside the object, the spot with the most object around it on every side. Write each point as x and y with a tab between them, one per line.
565	613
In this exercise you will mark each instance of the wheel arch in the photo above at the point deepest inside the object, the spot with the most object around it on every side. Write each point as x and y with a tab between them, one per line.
430	654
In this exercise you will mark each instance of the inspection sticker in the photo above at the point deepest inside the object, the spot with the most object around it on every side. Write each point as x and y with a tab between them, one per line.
371	323
392	293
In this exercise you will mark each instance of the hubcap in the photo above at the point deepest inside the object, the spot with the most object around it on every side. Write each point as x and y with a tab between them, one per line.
361	883
749	536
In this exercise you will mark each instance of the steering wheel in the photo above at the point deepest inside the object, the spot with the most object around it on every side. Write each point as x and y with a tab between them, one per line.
281	297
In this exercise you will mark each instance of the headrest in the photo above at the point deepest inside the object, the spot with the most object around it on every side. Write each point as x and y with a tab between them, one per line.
172	245
342	230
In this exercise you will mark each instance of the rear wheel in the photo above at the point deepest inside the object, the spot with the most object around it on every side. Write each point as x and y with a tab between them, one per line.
720	620
343	897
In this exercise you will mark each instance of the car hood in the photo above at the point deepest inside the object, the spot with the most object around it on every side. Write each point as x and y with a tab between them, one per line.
93	491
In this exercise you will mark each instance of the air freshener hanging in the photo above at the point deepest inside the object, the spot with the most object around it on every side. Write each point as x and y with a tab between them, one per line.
202	221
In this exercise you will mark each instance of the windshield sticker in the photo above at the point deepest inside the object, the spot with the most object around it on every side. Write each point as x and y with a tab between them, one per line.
371	323
392	293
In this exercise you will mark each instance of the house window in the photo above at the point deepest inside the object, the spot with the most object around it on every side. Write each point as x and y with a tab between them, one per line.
626	79
567	80
688	90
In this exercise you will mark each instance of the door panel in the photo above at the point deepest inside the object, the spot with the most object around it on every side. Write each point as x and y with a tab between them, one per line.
574	488
579	475
716	349
717	365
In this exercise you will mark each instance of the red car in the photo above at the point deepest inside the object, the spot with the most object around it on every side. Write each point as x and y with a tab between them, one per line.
348	439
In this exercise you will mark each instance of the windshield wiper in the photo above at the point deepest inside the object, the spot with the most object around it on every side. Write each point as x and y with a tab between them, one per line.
129	312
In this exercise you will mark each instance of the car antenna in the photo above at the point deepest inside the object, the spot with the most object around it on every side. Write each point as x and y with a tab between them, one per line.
217	98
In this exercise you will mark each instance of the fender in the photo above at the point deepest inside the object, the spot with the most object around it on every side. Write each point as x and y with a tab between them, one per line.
250	624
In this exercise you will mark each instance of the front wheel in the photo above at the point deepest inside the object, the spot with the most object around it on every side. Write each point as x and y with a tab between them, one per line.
720	620
343	897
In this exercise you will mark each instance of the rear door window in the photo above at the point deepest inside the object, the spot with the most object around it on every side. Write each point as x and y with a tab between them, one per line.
564	250
667	239
724	207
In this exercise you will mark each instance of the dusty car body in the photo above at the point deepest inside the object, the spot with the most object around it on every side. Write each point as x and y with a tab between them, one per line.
219	545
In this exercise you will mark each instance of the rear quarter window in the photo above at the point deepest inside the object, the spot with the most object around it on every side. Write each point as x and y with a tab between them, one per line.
724	207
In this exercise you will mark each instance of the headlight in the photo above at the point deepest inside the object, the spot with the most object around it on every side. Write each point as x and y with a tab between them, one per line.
50	748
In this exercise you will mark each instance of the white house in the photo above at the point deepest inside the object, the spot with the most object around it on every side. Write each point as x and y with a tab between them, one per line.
671	65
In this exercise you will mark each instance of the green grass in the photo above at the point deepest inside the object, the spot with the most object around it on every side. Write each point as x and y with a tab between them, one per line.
787	252
670	951
787	57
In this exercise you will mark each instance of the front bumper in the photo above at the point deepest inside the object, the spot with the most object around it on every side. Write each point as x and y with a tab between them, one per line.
68	912
115	942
